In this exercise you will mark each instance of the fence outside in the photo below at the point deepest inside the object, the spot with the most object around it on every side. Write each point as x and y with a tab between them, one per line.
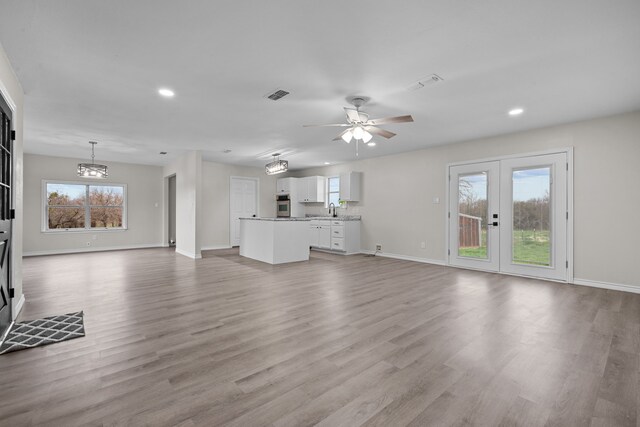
470	234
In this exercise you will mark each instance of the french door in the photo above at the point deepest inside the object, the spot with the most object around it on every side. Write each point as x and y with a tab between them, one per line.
510	216
5	215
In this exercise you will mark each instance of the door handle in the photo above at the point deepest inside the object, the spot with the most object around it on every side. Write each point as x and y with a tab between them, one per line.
495	224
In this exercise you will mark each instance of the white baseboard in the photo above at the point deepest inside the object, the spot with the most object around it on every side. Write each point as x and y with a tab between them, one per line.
213	248
18	308
404	257
188	254
91	249
607	285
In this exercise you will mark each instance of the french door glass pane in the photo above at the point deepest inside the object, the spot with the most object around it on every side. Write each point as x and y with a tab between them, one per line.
472	215
531	216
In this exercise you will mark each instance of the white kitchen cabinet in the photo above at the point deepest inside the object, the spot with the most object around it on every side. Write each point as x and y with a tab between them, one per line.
337	235
311	189
320	234
285	185
350	186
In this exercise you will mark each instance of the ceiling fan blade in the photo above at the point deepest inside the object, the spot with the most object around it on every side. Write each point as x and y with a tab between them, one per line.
381	132
339	137
387	120
352	114
330	125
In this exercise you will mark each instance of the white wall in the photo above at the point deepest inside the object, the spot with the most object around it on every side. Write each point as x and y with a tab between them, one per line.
215	197
144	219
12	92
188	172
397	192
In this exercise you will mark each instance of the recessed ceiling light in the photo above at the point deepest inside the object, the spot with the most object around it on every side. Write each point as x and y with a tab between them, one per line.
327	163
516	111
167	93
371	144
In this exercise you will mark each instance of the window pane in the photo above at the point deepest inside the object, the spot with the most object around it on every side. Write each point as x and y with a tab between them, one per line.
334	185
65	194
66	217
531	213
104	195
106	217
472	215
334	198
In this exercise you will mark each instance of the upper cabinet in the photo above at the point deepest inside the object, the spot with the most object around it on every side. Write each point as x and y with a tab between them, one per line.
311	189
285	185
350	186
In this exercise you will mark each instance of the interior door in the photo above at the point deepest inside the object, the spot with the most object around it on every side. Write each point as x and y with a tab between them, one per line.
474	205
534	214
5	216
243	204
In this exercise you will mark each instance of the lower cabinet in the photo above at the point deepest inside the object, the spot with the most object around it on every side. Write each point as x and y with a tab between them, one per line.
337	235
320	234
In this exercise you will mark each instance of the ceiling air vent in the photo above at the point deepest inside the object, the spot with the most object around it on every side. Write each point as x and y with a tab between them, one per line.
277	95
426	81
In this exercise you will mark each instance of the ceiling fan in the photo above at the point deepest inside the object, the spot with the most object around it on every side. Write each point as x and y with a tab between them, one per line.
360	127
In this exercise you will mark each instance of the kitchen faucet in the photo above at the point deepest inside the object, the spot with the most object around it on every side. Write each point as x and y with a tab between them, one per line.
334	210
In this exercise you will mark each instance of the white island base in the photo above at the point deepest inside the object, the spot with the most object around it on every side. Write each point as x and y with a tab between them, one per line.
275	240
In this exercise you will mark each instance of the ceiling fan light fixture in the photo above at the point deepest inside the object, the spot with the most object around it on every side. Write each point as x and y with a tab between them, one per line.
347	136
366	137
358	132
371	144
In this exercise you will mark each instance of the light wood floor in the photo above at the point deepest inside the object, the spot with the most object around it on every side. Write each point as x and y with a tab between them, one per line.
336	341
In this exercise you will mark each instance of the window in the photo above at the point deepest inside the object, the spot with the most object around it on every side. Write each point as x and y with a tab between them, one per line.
333	191
73	206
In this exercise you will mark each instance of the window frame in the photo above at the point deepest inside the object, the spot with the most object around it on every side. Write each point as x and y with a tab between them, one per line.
328	192
87	208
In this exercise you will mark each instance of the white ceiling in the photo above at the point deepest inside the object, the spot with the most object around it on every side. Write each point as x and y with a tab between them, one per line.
91	70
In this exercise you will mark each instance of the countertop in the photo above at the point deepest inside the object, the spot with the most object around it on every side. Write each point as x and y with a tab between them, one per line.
337	218
278	219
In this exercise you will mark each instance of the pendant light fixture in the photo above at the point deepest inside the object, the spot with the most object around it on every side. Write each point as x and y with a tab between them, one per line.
92	170
277	166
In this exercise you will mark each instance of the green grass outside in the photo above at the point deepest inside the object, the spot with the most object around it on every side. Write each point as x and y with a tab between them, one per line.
529	247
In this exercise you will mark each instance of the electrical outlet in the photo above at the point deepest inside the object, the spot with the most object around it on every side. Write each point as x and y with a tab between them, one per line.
378	247
94	237
423	245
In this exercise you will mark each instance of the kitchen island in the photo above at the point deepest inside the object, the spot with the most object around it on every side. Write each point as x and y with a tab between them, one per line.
275	240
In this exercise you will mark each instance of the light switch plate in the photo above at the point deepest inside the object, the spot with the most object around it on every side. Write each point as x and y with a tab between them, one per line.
436	200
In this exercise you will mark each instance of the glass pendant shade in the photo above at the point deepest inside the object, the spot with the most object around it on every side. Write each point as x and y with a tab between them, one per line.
277	166
92	170
366	137
347	136
358	132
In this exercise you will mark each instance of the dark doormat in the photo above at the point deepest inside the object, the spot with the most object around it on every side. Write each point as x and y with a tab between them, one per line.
44	331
